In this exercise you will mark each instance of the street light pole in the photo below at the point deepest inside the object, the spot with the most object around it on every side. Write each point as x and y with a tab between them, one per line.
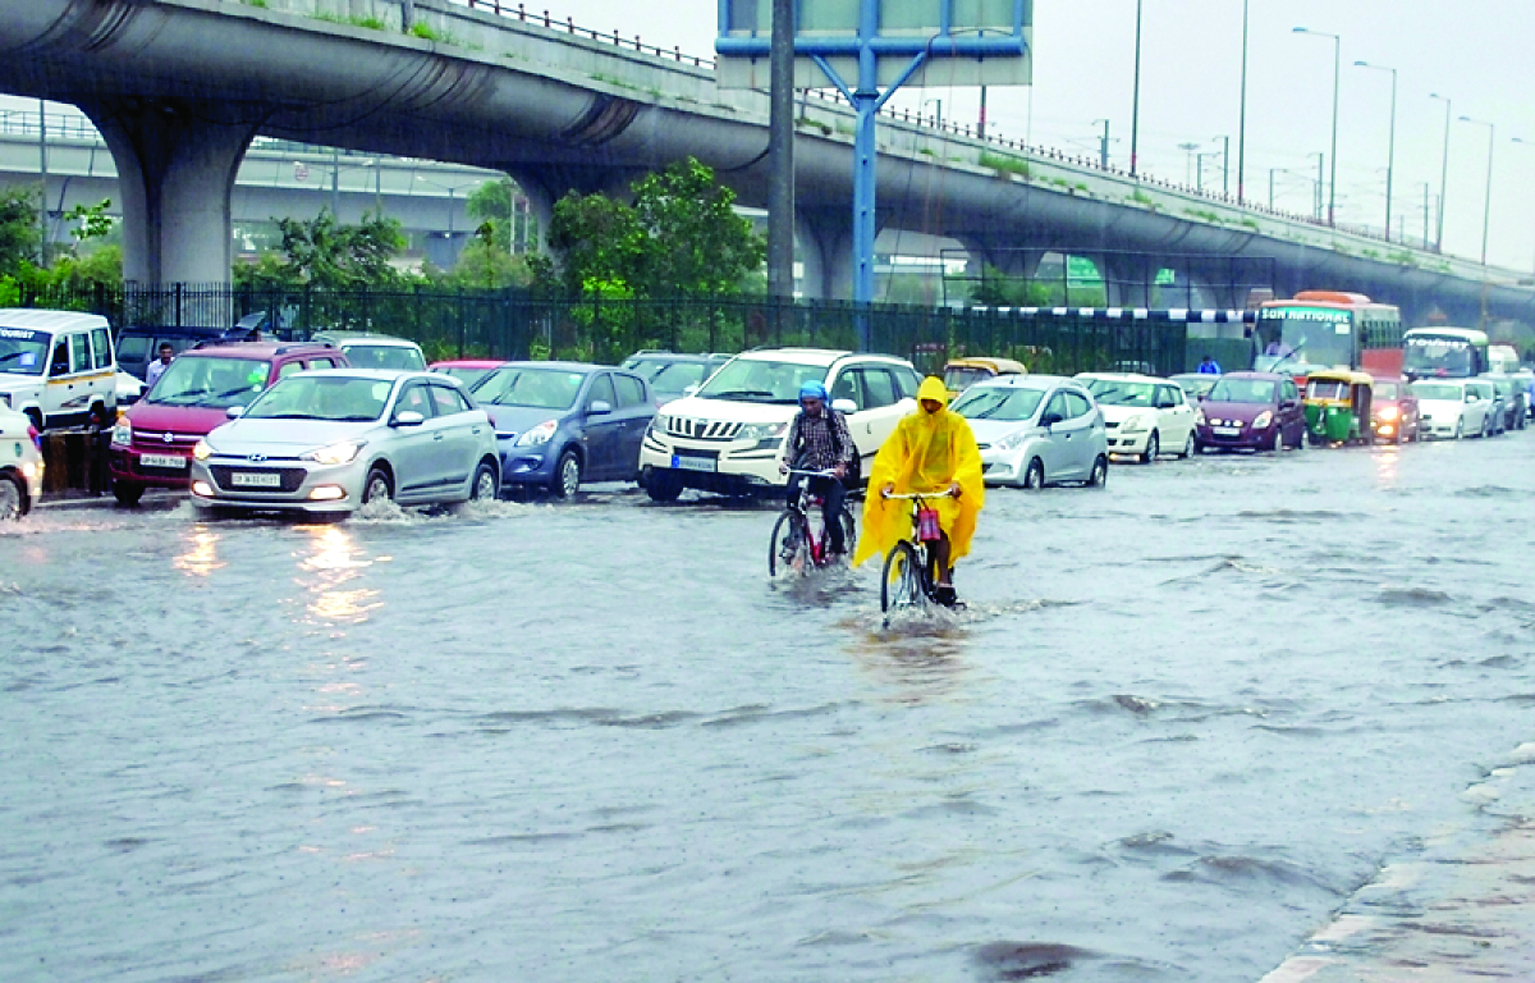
1391	143
1103	144
1486	208
1337	63
1444	172
1242	116
1135	99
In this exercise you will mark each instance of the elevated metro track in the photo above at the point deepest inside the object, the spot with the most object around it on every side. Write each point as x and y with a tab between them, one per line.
179	87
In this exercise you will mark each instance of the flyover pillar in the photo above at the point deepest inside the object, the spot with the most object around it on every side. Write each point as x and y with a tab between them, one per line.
826	244
1017	264
176	165
1128	279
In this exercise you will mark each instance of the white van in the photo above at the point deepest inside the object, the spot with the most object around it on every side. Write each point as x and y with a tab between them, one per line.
58	367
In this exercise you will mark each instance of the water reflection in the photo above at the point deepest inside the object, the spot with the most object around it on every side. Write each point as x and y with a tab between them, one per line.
336	561
1387	463
201	556
919	656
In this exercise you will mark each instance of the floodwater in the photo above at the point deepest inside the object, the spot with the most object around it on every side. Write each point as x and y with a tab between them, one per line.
1188	728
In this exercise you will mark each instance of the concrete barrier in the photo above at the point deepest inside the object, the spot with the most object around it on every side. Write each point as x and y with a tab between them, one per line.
76	460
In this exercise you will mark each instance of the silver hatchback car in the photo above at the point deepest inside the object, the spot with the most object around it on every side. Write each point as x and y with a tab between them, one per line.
330	441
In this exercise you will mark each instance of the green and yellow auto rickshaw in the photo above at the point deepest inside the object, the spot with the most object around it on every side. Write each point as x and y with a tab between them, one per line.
1337	403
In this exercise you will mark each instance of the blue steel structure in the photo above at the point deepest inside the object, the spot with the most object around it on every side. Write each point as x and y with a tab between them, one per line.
869	45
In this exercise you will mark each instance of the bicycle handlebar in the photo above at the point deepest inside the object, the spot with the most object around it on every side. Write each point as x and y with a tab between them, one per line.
812	474
946	493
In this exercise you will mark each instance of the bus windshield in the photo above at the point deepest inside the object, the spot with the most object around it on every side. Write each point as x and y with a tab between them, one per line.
1438	356
1306	336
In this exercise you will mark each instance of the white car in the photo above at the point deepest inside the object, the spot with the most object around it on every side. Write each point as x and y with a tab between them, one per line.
1037	430
1450	409
327	442
375	351
1145	415
728	437
21	465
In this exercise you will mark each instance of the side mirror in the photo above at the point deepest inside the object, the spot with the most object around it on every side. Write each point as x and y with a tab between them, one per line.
844	405
599	407
1050	419
235	412
407	418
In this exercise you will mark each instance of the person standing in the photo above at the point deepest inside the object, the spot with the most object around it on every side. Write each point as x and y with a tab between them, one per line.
1209	366
157	368
931	452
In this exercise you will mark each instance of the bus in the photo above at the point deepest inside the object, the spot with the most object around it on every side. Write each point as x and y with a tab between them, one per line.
1444	353
1319	329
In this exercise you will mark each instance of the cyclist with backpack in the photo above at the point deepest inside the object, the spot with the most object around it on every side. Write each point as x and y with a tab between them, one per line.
820	441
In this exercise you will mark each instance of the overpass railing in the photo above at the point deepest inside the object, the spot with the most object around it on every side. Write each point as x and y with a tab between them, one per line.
515	324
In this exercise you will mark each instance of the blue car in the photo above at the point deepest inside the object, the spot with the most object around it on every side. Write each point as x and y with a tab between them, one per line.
561	423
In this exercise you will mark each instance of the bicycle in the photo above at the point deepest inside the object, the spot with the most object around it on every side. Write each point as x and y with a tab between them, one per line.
909	576
798	541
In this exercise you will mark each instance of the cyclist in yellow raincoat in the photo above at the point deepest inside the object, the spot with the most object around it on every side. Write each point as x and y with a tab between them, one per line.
932	450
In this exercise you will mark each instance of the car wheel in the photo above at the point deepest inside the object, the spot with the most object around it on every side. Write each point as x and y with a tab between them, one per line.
12	495
1099	476
1459	429
663	486
1034	477
1153	446
127	494
567	475
378	485
1275	439
486	482
1188	446
1486	428
1199	448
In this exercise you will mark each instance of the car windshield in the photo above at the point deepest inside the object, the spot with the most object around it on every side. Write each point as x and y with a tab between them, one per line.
545	389
1387	390
762	380
469	377
1327	389
958	378
1196	385
1437	390
23	351
1229	390
675	377
1110	392
210	380
1009	404
1443	356
364	356
335	398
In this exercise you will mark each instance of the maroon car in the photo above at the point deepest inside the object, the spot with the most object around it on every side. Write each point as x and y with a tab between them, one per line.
1250	411
152	442
1394	411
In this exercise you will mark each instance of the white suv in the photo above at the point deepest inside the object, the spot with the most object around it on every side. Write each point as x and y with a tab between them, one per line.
728	437
58	368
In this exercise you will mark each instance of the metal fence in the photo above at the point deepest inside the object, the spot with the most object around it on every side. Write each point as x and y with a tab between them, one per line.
515	325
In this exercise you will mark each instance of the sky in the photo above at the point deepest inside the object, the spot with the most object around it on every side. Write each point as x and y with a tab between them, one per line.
1478	53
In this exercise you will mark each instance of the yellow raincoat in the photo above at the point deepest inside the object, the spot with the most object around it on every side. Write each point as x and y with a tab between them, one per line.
926	453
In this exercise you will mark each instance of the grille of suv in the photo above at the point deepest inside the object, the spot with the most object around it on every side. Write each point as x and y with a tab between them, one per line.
681	426
291	479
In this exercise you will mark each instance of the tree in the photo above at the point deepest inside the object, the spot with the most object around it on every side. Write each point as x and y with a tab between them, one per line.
324	253
484	264
681	237
495	202
19	234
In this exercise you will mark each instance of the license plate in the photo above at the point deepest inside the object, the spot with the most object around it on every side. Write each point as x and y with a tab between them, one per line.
1227	431
256	479
162	461
693	463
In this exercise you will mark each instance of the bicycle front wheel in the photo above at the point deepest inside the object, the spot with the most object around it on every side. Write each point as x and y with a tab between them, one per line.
788	539
901	586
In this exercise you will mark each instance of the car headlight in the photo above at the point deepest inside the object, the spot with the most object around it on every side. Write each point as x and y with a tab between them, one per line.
1134	425
762	431
342	453
1263	419
1199	417
200	450
541	434
1012	441
122	434
1389	413
661	423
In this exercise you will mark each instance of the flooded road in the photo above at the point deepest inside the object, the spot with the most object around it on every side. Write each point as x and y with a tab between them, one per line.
1190	727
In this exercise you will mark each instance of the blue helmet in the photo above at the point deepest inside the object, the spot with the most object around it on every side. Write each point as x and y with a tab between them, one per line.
812	390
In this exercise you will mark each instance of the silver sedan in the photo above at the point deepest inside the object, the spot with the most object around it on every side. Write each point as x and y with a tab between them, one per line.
328	442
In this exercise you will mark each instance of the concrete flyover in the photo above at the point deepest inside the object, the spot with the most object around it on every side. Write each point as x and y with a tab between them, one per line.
180	87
